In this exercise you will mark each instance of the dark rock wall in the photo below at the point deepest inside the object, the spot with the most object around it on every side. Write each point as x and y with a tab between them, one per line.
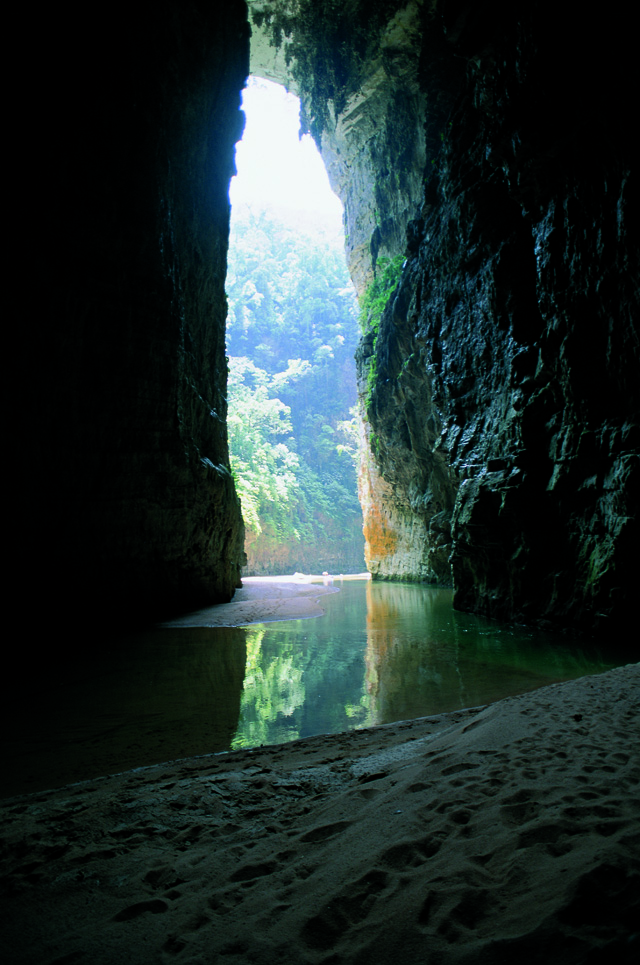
131	508
500	394
507	390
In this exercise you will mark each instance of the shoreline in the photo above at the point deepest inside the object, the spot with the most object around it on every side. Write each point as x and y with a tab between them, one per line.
506	832
268	599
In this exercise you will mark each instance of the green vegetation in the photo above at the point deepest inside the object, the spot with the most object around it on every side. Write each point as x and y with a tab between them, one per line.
374	300
289	692
291	335
372	305
264	469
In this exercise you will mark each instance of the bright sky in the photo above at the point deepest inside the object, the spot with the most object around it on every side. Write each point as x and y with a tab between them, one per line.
276	169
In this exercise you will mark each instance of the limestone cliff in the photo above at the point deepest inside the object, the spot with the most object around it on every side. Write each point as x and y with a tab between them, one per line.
500	392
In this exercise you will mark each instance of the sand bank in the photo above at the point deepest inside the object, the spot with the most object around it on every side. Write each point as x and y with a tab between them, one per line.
509	833
266	599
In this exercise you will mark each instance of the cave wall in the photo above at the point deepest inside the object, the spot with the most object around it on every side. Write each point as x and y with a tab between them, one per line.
372	142
129	503
507	364
500	395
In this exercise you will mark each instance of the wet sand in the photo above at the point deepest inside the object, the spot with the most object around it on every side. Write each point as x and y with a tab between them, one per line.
267	599
509	833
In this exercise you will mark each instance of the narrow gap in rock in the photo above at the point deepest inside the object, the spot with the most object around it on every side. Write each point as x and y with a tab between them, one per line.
292	331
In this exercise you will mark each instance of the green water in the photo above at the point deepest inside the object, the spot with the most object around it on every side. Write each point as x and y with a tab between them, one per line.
382	652
386	652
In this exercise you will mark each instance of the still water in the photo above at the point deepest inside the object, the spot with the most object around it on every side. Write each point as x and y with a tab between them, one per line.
383	652
386	652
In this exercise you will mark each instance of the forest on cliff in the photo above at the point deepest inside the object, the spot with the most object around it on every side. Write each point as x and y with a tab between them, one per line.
292	329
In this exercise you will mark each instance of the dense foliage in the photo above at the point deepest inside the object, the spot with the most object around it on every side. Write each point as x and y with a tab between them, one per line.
292	330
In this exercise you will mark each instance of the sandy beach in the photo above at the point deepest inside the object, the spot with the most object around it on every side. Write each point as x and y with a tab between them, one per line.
267	599
508	833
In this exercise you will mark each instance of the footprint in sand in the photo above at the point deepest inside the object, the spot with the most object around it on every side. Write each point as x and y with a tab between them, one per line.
518	808
250	872
174	945
155	905
324	831
458	768
417	787
162	878
350	906
410	854
471	909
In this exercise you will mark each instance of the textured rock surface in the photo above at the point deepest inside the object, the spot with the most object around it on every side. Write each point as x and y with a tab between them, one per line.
501	391
507	391
374	149
133	503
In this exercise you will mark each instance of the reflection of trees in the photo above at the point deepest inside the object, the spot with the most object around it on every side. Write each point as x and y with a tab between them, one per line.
273	690
305	679
420	658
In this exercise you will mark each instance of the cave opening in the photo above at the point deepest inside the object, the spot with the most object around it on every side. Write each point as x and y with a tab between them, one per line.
502	440
291	334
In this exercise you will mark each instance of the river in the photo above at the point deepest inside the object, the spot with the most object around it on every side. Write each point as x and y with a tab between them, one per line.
383	652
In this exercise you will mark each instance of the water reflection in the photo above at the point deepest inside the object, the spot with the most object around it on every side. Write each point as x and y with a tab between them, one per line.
383	652
387	652
425	658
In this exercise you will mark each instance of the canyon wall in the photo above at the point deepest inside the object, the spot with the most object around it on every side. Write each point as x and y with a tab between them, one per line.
130	506
499	393
356	71
489	144
505	396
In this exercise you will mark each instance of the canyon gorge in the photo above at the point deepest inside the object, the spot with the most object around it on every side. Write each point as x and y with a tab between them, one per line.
490	145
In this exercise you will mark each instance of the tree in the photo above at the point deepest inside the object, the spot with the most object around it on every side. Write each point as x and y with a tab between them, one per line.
264	470
292	330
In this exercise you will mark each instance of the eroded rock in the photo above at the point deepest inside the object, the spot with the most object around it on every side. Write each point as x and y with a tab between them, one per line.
500	392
